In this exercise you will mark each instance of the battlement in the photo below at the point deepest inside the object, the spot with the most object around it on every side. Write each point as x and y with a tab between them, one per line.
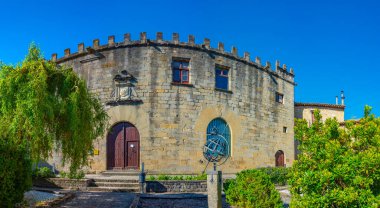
175	41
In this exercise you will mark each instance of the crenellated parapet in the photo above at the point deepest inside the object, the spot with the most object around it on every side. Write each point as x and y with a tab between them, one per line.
279	71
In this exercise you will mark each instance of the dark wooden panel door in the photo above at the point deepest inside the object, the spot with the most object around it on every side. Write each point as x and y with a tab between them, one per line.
116	132
132	146
123	147
280	159
133	154
119	151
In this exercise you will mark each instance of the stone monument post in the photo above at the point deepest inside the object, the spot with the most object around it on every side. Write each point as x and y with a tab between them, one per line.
214	189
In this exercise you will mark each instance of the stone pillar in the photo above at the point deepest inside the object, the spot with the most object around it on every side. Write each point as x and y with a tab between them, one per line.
214	189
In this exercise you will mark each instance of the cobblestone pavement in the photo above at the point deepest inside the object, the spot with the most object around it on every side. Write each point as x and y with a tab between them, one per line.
100	200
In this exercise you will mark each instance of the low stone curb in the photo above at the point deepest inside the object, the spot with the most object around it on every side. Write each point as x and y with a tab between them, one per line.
67	196
174	196
135	201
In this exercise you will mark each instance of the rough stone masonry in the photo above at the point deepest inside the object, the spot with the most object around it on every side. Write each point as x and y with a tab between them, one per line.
170	118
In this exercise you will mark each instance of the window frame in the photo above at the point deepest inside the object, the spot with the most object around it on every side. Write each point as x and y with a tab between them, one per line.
227	133
227	76
181	70
277	98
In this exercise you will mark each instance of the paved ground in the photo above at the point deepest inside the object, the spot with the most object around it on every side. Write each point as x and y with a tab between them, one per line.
185	200
33	196
100	200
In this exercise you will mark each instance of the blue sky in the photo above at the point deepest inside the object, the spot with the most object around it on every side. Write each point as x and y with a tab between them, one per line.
332	45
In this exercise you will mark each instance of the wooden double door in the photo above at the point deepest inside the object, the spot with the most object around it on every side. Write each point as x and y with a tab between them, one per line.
123	147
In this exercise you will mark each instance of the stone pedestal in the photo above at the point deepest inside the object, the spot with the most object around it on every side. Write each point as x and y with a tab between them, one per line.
214	189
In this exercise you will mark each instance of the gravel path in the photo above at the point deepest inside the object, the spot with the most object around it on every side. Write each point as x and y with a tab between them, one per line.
100	200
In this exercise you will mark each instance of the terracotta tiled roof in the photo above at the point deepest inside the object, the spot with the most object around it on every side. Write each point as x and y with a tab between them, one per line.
320	105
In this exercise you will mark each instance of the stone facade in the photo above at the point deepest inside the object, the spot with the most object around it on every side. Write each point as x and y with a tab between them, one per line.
305	111
172	118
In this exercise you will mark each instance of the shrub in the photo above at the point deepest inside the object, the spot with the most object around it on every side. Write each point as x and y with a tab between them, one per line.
178	177
43	172
72	175
253	188
163	177
15	173
63	174
278	175
76	175
200	177
227	184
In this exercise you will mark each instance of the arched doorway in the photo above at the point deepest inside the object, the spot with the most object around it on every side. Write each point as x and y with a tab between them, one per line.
123	147
280	158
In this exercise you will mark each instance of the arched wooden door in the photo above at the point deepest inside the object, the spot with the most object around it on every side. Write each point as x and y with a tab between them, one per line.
123	147
280	158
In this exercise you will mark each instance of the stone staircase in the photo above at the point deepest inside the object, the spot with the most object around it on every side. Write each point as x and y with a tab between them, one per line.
114	185
115	181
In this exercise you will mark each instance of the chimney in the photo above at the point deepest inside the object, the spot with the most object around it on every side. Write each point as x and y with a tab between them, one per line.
342	96
336	100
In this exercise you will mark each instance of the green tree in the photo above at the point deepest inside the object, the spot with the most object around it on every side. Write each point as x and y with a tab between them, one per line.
252	188
338	166
15	176
45	107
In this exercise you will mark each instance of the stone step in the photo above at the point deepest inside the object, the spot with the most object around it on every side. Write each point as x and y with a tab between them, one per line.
113	189
121	173
116	184
115	180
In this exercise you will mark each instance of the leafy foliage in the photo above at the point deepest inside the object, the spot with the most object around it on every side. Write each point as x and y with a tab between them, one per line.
15	175
337	167
177	177
43	107
43	172
79	174
278	175
50	107
252	188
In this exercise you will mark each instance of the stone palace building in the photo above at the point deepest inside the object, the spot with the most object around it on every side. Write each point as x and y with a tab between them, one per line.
165	98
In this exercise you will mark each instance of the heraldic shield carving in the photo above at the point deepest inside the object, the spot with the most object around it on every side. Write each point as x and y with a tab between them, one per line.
124	92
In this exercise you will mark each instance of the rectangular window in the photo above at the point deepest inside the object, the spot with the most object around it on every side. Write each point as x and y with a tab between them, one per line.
221	78
279	98
181	73
285	129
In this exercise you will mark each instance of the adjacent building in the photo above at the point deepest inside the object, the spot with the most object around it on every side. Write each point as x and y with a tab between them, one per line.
306	111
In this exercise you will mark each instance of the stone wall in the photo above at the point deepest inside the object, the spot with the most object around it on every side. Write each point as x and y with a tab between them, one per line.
176	186
172	119
64	183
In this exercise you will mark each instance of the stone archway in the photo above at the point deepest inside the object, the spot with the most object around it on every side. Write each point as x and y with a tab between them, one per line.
123	147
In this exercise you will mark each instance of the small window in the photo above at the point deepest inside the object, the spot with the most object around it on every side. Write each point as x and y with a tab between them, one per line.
285	129
279	98
221	78
181	72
